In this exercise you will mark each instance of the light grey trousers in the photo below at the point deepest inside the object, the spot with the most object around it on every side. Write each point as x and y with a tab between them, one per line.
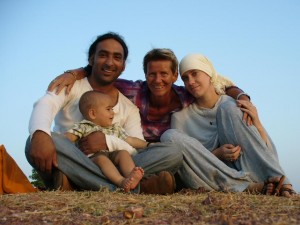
258	158
87	176
202	169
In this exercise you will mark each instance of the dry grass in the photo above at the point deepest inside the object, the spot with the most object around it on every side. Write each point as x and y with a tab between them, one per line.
181	208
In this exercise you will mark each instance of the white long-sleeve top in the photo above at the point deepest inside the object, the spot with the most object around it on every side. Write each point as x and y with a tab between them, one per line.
64	110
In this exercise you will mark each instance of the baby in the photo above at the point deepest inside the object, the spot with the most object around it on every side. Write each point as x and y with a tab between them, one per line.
98	114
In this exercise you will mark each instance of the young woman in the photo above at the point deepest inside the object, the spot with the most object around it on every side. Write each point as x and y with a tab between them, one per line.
214	123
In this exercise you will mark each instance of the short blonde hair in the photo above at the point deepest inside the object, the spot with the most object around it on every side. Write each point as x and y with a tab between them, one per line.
161	54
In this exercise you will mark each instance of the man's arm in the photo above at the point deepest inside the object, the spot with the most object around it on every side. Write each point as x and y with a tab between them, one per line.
128	117
236	93
133	125
42	152
44	111
67	79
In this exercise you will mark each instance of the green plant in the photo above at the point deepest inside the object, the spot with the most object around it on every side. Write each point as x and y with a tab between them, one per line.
36	180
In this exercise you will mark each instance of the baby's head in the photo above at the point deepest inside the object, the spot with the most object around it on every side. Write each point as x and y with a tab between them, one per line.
97	107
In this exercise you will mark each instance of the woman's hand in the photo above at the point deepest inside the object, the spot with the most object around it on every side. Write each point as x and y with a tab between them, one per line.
246	117
250	109
227	152
63	80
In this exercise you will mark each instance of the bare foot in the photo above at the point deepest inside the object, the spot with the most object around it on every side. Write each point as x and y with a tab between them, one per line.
135	176
269	187
133	179
125	184
287	191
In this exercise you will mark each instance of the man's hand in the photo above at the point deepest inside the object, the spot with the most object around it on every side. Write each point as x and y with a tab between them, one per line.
227	152
67	79
93	143
62	81
43	153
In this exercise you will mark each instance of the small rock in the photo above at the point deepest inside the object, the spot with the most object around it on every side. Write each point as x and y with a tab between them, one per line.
133	212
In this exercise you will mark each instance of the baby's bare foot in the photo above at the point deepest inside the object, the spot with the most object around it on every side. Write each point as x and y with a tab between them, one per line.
135	176
125	184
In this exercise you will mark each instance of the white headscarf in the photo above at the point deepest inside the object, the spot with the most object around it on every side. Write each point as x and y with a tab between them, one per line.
200	62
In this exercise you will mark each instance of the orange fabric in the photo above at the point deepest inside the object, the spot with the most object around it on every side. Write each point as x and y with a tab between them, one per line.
12	178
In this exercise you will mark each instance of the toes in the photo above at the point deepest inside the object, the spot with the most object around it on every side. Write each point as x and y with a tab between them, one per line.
270	188
126	184
286	194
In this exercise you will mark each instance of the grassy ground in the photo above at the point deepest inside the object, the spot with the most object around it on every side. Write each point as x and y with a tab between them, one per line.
181	208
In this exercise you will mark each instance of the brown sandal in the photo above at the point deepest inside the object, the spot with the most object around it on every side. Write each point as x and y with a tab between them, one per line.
277	189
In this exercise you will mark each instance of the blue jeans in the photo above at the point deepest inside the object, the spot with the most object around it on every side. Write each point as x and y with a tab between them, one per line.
87	176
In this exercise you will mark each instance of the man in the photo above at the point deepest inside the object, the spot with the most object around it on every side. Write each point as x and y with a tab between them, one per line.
50	153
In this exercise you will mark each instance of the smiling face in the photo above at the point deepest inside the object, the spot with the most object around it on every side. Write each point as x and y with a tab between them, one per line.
102	112
197	83
108	62
97	107
160	77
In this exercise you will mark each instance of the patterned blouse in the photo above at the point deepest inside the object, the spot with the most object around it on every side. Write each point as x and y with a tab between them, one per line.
139	93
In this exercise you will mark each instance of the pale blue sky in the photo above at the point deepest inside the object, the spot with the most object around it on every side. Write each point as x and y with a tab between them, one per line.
255	43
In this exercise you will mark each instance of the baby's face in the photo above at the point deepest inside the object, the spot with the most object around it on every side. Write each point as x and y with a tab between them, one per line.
104	112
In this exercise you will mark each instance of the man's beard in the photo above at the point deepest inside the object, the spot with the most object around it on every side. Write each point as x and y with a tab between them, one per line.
104	82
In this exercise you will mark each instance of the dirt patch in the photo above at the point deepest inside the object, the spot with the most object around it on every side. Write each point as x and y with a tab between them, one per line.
181	208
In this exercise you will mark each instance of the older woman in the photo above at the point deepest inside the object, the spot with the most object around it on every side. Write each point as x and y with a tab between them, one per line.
214	124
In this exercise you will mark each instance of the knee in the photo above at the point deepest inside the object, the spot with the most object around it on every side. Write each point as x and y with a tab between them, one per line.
99	159
228	106
62	144
27	148
175	157
170	135
122	154
174	153
229	109
57	138
27	152
179	154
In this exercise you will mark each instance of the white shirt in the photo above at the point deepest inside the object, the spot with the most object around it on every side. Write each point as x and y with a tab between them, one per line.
64	110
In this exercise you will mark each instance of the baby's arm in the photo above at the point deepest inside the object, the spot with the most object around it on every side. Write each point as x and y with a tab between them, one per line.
71	137
136	142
